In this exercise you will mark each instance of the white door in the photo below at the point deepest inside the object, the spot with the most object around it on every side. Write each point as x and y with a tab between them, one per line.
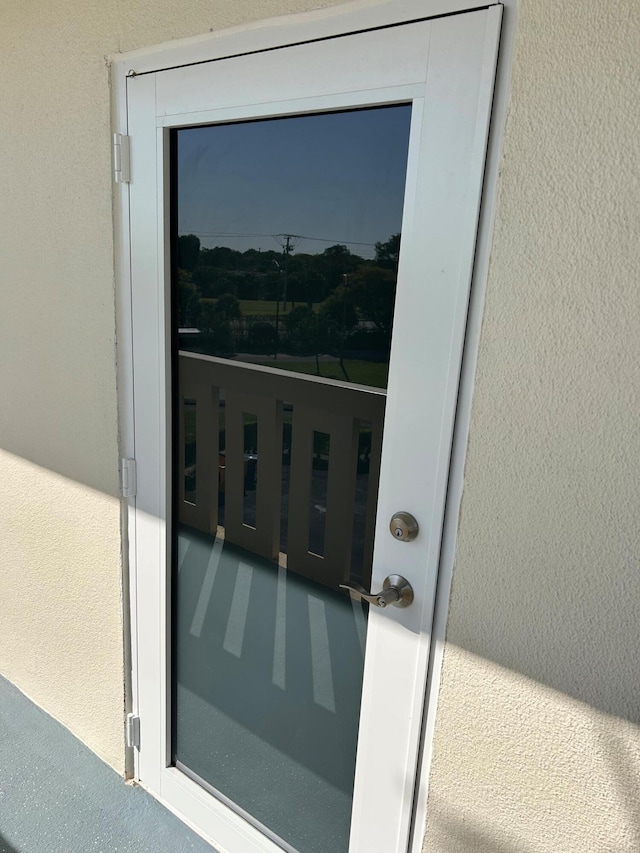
270	193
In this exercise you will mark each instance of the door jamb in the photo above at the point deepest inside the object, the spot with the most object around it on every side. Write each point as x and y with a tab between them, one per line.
486	221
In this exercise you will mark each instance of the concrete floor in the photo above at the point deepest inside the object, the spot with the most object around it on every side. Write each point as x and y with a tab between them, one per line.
56	796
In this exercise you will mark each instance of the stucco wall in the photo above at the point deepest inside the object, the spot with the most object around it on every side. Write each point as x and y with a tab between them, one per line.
537	741
60	569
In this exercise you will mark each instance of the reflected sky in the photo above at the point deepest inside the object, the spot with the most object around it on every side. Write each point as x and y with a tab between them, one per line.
331	178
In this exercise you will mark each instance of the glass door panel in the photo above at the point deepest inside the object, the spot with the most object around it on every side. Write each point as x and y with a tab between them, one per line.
286	234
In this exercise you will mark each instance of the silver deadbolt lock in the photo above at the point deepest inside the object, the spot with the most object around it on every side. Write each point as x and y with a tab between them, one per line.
403	527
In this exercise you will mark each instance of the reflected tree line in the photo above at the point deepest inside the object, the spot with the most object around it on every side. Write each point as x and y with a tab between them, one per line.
332	304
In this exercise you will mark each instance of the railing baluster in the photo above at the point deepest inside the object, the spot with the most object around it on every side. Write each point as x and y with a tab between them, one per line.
265	538
269	477
372	495
343	464
298	557
235	530
196	384
183	510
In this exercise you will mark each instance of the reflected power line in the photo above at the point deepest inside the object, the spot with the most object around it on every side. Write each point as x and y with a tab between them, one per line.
275	236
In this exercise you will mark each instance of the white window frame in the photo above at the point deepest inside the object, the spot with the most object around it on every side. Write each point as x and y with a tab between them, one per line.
262	36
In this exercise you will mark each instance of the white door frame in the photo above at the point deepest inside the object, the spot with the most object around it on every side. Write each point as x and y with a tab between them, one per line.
283	31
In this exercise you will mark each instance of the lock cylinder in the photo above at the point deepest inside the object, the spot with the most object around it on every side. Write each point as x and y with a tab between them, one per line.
403	527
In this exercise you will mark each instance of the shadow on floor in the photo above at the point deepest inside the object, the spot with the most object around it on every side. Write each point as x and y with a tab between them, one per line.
5	847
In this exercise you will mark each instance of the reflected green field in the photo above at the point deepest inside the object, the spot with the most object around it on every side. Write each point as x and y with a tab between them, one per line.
261	307
361	372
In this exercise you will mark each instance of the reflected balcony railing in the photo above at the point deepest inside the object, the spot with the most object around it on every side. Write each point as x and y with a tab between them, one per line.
242	489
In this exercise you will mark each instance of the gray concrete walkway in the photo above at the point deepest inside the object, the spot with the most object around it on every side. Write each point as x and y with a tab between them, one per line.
56	796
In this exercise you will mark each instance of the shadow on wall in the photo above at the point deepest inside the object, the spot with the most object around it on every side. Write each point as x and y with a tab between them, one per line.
546	589
623	764
5	847
453	833
521	768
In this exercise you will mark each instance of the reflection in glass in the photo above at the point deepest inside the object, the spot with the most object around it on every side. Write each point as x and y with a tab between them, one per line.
286	242
250	472
189	450
318	498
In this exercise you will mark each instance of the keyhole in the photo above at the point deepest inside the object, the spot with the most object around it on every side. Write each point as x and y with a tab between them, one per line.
398	532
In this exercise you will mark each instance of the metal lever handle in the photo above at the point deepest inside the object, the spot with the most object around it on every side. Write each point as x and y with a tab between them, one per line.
380	599
396	590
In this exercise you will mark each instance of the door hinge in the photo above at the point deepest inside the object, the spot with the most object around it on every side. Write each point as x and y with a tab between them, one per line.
132	731
128	478
121	158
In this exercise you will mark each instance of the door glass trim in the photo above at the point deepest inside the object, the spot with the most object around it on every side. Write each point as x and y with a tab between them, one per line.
282	844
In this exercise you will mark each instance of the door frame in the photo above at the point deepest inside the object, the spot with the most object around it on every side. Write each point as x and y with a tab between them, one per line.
253	38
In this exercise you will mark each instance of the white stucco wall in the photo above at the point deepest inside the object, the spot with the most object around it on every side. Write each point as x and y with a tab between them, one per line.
537	745
537	741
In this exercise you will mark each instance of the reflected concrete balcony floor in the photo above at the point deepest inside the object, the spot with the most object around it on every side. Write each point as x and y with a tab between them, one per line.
56	796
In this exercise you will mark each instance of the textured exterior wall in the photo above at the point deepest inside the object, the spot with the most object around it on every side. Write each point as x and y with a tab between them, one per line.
537	742
60	568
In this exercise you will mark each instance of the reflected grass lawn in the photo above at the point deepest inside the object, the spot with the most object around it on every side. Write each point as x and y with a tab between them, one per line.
261	307
361	372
